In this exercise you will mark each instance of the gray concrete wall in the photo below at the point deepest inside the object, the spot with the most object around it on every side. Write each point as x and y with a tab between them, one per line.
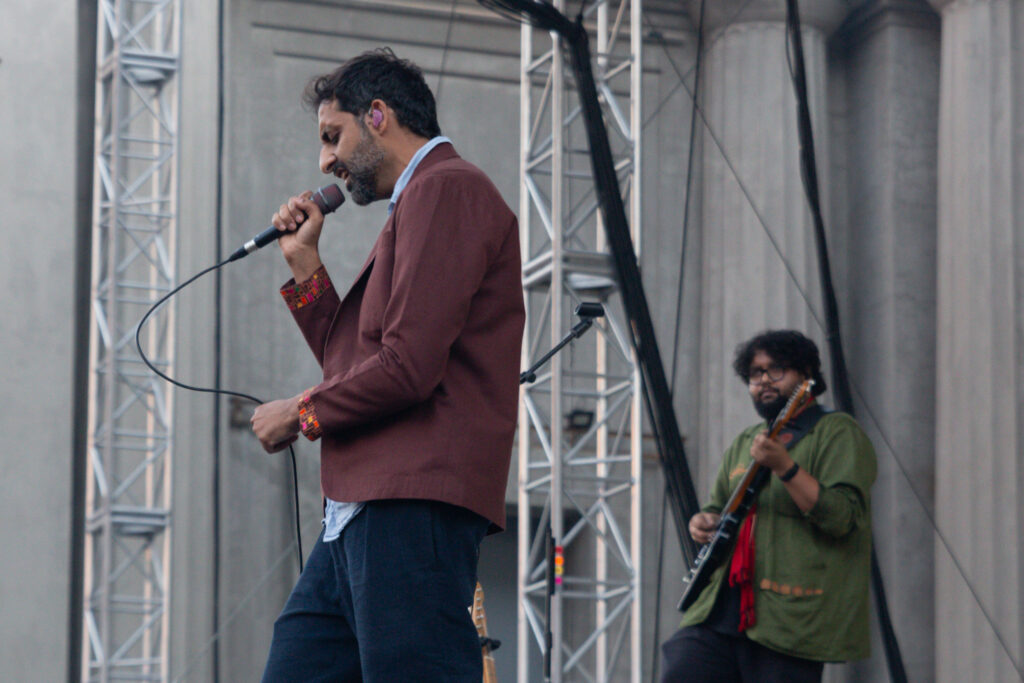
923	259
37	145
193	595
979	568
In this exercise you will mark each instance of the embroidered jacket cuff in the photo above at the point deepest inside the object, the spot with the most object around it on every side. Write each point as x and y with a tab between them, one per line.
297	295
308	421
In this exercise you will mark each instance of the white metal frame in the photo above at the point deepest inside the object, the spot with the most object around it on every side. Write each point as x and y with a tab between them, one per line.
128	499
583	484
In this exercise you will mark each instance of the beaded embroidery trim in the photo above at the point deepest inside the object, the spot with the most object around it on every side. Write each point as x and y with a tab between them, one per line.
305	293
786	589
307	417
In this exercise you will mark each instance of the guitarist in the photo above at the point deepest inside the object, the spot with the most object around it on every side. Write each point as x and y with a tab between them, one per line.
793	593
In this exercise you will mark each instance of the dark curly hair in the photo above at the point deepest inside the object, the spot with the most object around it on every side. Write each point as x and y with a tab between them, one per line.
378	74
788	348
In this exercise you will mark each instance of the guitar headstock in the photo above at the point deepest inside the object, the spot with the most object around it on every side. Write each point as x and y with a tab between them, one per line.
487	644
798	400
479	617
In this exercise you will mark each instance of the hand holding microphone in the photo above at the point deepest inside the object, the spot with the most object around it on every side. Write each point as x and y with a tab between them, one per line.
291	215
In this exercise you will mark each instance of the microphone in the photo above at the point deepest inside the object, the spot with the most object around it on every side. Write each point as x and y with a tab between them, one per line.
328	198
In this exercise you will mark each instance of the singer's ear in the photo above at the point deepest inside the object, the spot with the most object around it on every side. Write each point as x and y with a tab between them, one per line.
378	115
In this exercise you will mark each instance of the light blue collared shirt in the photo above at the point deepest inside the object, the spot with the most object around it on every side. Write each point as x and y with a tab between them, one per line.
403	179
337	514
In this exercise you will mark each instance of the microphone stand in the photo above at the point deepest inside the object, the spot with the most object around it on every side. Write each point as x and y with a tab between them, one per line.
587	312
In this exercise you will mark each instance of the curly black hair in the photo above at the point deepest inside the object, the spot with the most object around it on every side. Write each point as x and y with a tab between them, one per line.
378	74
788	348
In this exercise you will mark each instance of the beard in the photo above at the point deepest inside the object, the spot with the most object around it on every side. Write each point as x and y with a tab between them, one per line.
362	168
770	409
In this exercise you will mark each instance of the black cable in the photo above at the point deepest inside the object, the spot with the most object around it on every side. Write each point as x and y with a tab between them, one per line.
85	159
655	385
223	392
656	639
840	376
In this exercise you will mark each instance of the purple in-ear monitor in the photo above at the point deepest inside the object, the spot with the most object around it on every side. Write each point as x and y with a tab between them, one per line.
377	117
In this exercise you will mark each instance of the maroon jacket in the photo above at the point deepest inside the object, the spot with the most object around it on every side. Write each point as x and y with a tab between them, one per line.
421	357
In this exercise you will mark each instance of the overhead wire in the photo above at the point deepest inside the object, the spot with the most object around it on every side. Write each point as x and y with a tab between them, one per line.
218	328
444	52
230	618
736	176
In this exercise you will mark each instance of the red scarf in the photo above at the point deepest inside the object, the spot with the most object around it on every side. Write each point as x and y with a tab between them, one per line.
741	570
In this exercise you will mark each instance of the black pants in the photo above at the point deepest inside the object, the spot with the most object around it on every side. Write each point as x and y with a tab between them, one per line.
385	602
697	654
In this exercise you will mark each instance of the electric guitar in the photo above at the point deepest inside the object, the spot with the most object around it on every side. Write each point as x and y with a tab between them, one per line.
487	644
738	505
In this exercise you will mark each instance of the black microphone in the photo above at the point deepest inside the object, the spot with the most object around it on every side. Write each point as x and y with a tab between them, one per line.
328	198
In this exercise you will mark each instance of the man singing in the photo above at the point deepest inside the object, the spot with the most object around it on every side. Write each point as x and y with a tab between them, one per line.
417	408
794	593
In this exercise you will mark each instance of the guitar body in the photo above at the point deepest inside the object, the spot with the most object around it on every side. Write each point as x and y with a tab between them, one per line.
736	509
711	555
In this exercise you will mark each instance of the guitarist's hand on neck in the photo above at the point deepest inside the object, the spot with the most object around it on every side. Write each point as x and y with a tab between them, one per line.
771	454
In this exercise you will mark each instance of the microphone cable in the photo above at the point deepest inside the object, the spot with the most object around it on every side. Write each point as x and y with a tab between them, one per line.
223	392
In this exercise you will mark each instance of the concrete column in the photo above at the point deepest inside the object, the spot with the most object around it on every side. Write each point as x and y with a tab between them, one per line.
886	109
979	573
37	336
195	645
760	265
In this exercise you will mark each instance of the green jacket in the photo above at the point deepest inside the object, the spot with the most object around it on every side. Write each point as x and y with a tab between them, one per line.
811	570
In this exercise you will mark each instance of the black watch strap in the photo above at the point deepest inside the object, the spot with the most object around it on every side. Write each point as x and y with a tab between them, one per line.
790	473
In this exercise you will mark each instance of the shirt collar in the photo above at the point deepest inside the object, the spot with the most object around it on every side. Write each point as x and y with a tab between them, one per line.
406	176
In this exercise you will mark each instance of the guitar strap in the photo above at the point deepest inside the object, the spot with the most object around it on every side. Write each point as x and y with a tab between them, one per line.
801	425
741	568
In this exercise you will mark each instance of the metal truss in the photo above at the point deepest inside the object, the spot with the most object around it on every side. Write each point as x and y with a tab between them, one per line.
580	424
128	498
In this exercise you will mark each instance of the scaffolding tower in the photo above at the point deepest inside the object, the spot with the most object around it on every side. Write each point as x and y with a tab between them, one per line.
580	424
128	495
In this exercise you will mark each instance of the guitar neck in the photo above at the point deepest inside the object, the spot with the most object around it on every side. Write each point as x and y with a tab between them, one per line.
490	672
792	409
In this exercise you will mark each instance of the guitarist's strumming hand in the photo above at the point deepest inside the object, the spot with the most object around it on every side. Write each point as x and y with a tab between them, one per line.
703	525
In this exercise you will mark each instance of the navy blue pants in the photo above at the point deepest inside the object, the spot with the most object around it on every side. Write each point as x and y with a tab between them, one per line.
697	654
387	601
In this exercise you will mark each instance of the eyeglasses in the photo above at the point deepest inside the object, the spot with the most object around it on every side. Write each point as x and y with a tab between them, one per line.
773	372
